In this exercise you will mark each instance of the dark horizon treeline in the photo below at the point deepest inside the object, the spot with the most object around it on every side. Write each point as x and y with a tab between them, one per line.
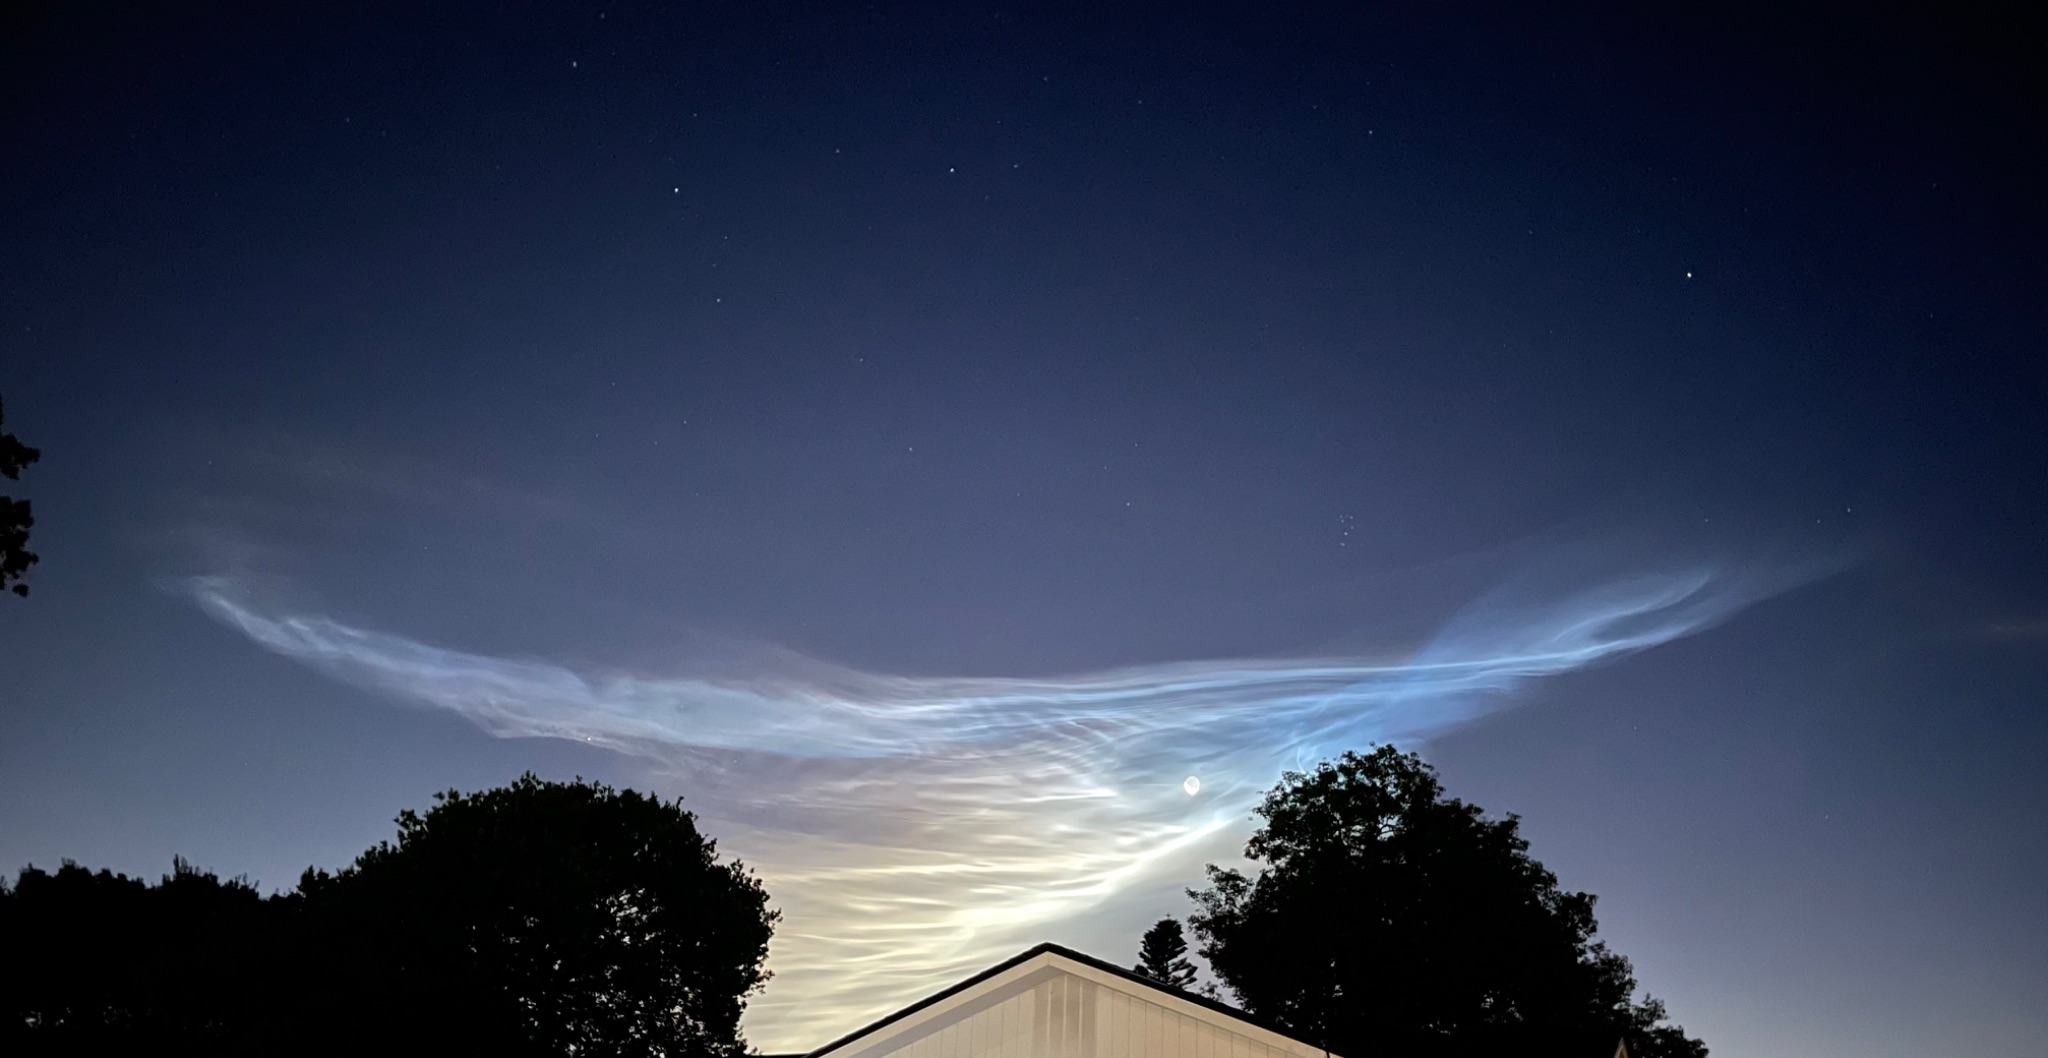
1381	916
99	958
539	918
96	960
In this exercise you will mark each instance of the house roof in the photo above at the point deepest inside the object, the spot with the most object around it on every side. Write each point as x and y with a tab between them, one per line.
1070	955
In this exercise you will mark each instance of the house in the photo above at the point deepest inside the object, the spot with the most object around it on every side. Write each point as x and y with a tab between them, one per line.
1053	1002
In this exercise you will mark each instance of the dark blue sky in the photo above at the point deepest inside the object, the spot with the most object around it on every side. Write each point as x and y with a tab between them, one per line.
970	341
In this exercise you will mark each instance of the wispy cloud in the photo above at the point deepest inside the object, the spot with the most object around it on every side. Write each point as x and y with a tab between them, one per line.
2017	630
915	827
266	501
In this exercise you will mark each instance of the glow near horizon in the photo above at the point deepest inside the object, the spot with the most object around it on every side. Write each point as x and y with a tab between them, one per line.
913	829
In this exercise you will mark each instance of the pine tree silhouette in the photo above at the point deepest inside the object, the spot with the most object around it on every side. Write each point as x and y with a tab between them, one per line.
1162	955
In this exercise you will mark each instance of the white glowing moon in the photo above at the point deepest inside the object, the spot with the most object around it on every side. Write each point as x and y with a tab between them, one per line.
1192	785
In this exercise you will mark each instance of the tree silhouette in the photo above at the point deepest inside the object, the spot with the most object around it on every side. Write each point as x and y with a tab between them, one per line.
99	961
15	519
1385	918
541	918
538	918
1162	955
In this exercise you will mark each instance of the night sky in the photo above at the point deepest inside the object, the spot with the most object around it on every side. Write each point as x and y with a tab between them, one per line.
844	416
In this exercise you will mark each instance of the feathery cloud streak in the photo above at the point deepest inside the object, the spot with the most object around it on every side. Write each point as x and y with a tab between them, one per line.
913	828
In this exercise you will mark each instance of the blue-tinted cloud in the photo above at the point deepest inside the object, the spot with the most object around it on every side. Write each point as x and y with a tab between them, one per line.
915	827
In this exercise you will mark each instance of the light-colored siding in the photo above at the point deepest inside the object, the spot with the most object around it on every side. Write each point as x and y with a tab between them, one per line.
1066	1016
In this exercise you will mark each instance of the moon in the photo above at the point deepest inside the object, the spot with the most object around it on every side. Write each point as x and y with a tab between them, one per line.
1192	785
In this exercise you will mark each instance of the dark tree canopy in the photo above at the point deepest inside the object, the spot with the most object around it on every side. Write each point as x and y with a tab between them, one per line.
564	918
1386	918
1162	955
101	962
15	519
536	919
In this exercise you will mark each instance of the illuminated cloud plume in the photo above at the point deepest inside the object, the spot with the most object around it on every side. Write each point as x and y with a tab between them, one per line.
913	829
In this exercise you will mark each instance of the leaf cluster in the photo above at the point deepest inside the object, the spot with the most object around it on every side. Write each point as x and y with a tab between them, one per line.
97	961
1386	917
15	517
1162	955
537	918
